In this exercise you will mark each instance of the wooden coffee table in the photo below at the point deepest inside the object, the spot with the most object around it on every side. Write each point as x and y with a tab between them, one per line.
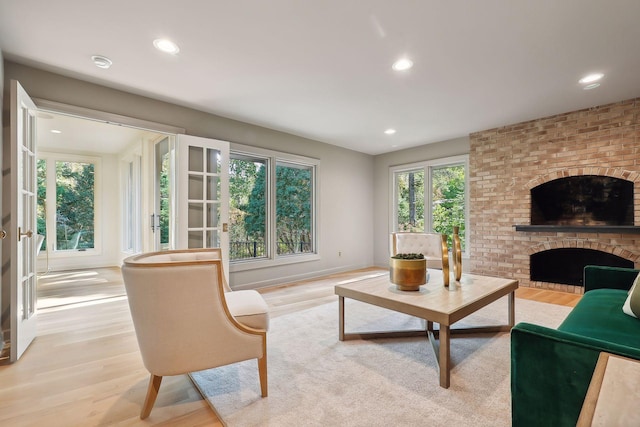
434	303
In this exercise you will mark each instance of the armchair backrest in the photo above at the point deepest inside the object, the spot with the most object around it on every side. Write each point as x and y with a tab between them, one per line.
432	245
182	255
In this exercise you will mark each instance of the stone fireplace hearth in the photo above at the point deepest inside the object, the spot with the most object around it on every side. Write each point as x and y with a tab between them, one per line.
507	163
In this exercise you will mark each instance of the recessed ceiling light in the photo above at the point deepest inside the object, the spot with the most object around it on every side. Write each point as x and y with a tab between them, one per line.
166	46
56	131
594	77
402	64
591	86
101	61
390	131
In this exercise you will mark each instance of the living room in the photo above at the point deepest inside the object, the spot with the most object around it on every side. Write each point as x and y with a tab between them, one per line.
506	154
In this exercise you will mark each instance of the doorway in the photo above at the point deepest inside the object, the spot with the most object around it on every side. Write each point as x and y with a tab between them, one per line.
97	165
105	171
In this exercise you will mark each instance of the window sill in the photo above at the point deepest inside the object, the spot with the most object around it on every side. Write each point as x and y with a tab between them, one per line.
246	265
70	253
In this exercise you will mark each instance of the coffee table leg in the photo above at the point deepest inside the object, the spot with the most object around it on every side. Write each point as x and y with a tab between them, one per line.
444	359
512	309
341	318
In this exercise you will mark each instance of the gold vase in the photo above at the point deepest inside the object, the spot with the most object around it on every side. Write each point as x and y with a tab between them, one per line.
408	274
457	254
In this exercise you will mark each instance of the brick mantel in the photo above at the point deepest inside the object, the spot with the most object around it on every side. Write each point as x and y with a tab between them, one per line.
506	163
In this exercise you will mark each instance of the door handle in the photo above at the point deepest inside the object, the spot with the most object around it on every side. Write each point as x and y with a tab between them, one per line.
27	234
3	234
155	222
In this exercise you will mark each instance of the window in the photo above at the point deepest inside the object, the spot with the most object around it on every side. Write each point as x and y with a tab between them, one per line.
409	188
247	207
441	185
272	206
294	191
66	202
162	220
41	171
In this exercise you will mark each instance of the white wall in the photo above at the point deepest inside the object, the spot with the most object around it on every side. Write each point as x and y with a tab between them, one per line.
346	177
382	197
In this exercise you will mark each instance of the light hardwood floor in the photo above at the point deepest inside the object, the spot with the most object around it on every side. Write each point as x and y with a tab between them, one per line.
84	368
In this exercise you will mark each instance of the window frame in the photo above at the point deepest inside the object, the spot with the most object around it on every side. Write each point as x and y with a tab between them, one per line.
50	210
131	198
428	166
271	159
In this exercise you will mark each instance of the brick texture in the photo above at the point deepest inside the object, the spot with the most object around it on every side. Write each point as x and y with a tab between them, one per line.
506	162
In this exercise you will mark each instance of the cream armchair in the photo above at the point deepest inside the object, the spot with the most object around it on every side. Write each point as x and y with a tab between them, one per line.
187	318
432	245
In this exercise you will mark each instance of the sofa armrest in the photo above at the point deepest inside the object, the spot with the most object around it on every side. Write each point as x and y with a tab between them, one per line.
550	373
598	277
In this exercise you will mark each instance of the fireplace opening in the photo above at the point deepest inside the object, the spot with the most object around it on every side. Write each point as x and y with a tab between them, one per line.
586	200
566	265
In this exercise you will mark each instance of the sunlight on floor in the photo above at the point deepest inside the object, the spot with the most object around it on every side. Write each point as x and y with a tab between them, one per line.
70	288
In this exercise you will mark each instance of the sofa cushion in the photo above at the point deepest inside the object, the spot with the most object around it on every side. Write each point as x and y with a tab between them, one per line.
632	304
598	277
599	315
249	308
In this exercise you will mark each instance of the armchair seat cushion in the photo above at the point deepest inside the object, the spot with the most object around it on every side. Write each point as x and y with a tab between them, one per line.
249	308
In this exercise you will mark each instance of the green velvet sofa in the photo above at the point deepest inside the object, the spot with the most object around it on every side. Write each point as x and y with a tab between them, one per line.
551	368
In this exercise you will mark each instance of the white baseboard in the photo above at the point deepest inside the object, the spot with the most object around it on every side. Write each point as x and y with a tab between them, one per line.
296	277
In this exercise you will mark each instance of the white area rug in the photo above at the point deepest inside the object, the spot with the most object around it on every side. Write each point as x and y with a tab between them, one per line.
316	380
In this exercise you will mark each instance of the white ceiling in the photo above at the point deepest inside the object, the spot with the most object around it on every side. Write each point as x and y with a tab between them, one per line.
63	133
322	69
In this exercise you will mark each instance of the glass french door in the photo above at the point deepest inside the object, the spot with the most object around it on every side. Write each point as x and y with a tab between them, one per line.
19	251
191	194
203	194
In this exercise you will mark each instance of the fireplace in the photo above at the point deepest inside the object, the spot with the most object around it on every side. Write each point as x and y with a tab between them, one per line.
583	203
590	204
507	162
566	265
586	200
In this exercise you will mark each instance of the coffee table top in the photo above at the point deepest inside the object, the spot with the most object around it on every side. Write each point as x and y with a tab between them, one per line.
434	301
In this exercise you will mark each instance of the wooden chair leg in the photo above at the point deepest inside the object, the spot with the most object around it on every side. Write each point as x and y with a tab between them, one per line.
152	393
262	371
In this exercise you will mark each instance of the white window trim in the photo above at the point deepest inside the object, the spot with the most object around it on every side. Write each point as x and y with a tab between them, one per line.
51	158
427	165
131	215
272	157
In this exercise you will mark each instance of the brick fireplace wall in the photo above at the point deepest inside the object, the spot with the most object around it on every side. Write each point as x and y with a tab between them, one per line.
506	162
